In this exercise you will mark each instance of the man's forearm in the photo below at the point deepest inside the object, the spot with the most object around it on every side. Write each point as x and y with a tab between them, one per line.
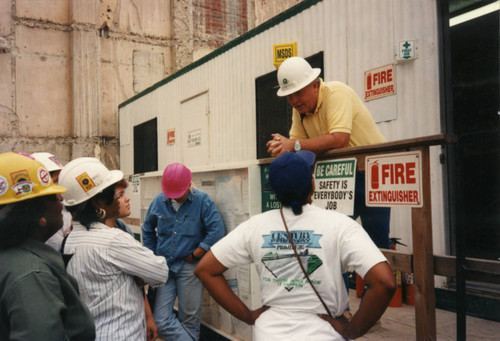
323	143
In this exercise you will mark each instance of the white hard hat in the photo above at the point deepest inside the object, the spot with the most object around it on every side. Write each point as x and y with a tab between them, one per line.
84	178
294	74
48	160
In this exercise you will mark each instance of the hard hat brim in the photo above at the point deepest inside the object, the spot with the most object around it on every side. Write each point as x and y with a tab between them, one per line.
52	189
176	194
115	176
283	93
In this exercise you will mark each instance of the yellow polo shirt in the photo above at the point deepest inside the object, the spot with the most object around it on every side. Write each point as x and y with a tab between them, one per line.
339	109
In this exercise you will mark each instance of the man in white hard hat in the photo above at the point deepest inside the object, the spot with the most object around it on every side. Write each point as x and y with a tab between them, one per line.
51	162
326	115
330	115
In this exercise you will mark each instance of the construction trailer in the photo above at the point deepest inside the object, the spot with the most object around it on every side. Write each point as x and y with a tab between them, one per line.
216	115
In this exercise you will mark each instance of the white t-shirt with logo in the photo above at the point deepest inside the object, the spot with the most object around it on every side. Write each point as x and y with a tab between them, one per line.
328	243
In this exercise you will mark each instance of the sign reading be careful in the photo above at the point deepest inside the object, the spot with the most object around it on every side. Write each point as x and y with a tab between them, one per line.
335	181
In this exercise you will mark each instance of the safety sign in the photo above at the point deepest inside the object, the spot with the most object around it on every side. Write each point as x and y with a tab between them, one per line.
380	82
394	179
335	181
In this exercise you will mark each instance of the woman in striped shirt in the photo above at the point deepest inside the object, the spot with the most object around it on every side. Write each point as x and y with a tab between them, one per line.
109	265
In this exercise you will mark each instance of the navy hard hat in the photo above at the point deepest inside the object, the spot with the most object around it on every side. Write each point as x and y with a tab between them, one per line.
290	174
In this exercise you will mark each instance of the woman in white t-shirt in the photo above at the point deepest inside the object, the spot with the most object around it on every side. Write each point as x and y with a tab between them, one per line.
326	242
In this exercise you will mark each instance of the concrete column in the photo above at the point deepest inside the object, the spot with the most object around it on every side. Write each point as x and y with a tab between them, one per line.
86	76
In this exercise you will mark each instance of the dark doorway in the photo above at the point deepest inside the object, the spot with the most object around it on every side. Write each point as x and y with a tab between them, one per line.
475	82
146	147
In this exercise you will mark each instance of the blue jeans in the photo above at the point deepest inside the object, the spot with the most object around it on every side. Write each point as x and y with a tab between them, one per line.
375	220
188	289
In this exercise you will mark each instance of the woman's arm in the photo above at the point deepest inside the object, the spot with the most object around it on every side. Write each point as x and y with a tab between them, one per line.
210	272
380	289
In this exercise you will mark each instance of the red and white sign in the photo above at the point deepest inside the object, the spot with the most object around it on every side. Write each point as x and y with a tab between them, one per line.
44	176
394	179
170	137
380	82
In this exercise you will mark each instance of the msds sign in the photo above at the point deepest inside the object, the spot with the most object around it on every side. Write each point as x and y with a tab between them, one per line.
282	52
394	179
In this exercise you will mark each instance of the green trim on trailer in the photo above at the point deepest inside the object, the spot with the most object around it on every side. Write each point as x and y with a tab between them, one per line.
233	43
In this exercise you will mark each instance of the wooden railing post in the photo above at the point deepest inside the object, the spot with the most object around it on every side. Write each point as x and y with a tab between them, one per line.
423	262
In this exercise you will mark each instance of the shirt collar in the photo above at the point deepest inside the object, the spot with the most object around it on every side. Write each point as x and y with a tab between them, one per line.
189	197
320	100
320	96
43	251
78	226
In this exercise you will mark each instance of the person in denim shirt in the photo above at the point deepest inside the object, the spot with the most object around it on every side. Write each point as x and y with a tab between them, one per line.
181	224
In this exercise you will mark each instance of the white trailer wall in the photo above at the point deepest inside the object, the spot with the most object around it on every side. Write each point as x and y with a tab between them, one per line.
355	36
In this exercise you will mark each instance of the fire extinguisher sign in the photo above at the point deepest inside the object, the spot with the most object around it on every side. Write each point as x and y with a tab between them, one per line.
380	82
394	179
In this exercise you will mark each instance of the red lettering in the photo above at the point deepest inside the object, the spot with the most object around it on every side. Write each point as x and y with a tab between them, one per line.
399	173
385	173
389	75
382	77
410	173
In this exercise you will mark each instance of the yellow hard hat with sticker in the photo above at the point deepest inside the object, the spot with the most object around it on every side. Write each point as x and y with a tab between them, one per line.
23	178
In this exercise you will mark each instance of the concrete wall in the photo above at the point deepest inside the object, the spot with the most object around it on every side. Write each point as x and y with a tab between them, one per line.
66	65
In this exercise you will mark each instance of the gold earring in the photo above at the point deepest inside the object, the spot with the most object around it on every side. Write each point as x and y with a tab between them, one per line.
43	221
101	213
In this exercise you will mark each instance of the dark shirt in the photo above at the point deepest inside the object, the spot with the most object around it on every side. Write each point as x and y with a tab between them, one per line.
39	300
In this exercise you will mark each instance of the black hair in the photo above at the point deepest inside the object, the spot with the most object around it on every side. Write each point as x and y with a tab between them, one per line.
86	213
21	219
294	201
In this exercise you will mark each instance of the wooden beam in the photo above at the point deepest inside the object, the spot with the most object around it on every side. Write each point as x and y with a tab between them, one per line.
392	146
482	270
399	260
423	261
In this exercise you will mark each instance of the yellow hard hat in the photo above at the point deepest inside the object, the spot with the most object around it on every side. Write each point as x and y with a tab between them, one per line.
23	178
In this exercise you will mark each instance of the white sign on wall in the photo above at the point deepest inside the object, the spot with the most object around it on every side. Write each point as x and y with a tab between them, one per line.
335	181
406	50
380	82
394	179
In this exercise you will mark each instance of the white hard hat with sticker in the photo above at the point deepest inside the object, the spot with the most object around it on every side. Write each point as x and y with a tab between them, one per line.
84	178
50	161
295	73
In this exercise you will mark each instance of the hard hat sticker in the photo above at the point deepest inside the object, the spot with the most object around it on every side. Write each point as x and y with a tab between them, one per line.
43	176
23	187
19	176
4	185
85	181
55	160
